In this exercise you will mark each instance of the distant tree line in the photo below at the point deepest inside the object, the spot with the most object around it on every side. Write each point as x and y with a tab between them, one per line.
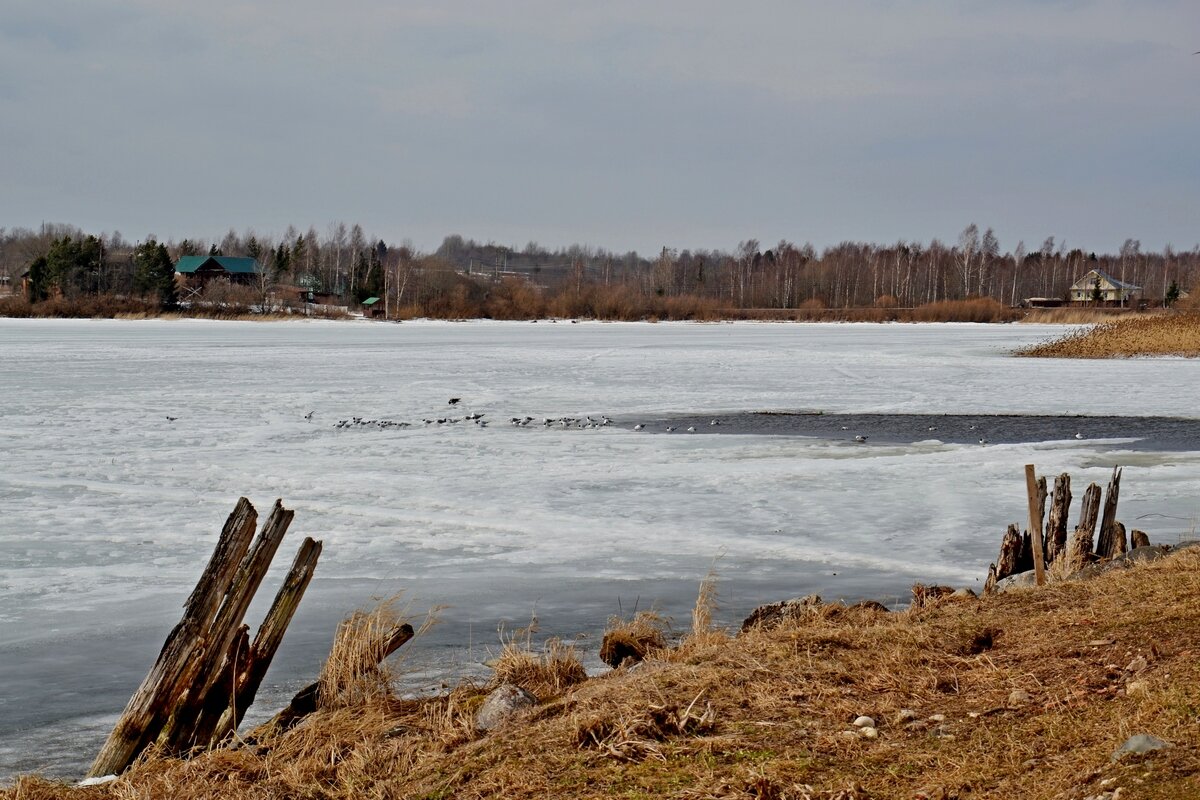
468	278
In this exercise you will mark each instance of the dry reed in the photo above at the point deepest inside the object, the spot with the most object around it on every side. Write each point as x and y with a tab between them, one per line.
1157	335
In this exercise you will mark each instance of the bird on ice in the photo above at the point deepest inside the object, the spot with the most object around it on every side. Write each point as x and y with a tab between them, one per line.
670	429
691	428
454	401
983	442
308	416
860	439
172	419
1079	436
638	427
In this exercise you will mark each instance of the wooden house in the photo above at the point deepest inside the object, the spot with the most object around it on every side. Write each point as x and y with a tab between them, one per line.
1111	290
372	308
202	269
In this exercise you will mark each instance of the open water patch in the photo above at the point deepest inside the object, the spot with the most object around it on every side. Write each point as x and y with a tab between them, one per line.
1153	434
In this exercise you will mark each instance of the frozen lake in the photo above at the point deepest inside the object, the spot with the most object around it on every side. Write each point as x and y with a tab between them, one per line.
109	511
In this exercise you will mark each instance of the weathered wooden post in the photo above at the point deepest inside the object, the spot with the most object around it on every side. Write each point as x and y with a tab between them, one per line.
149	707
1112	539
1037	501
1056	526
208	671
1081	542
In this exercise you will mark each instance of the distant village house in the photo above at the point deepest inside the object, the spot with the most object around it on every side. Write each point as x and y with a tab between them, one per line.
202	269
1110	290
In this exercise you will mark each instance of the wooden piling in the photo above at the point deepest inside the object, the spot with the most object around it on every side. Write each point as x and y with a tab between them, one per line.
1036	491
1111	541
1056	526
1081	542
149	707
178	734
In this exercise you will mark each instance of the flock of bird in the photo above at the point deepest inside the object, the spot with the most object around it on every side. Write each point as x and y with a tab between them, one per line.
587	422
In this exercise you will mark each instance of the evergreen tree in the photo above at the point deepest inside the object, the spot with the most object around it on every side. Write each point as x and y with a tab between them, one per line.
1172	294
154	273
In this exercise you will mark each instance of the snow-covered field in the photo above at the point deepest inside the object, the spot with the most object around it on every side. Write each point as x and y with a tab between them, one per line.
108	510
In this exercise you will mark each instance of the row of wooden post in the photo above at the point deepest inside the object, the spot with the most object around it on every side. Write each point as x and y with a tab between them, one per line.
1039	549
209	670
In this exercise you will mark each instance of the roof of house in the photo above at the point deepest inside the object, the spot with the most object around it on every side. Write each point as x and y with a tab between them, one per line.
1089	280
370	301
190	264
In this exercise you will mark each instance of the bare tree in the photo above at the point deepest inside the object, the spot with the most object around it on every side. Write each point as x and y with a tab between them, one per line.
968	245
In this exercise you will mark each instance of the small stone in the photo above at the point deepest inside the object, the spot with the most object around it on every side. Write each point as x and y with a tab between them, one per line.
1139	743
849	734
1137	665
864	722
868	732
501	705
1019	697
937	718
1137	689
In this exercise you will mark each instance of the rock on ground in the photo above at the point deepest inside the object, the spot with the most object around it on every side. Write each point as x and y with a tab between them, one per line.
505	702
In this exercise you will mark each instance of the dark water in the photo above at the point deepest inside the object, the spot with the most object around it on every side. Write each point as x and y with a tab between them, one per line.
1159	434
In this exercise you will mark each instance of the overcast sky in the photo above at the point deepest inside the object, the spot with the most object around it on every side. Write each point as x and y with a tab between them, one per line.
628	125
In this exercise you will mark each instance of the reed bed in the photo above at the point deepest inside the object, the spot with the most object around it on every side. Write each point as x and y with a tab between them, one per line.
1158	335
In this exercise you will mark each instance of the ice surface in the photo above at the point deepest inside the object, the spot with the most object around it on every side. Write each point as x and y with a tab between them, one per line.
108	510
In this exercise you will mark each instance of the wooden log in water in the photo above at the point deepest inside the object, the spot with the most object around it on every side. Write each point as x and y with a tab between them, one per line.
1056	526
1081	550
266	643
150	706
308	699
1138	539
1111	541
178	734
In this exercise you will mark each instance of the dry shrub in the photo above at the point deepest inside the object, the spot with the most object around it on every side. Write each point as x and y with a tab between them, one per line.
86	307
973	309
1156	335
544	675
637	638
514	299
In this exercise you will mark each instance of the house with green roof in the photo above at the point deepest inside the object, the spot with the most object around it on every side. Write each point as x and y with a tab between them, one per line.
203	269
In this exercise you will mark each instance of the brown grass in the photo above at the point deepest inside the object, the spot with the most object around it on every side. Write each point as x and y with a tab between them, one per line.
1154	335
1077	315
544	674
767	714
974	309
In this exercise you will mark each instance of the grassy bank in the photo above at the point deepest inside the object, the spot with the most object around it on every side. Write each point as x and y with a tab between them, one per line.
1158	335
1026	694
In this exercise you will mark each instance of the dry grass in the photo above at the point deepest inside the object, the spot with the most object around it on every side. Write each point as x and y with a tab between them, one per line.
767	714
1077	315
1153	335
543	674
